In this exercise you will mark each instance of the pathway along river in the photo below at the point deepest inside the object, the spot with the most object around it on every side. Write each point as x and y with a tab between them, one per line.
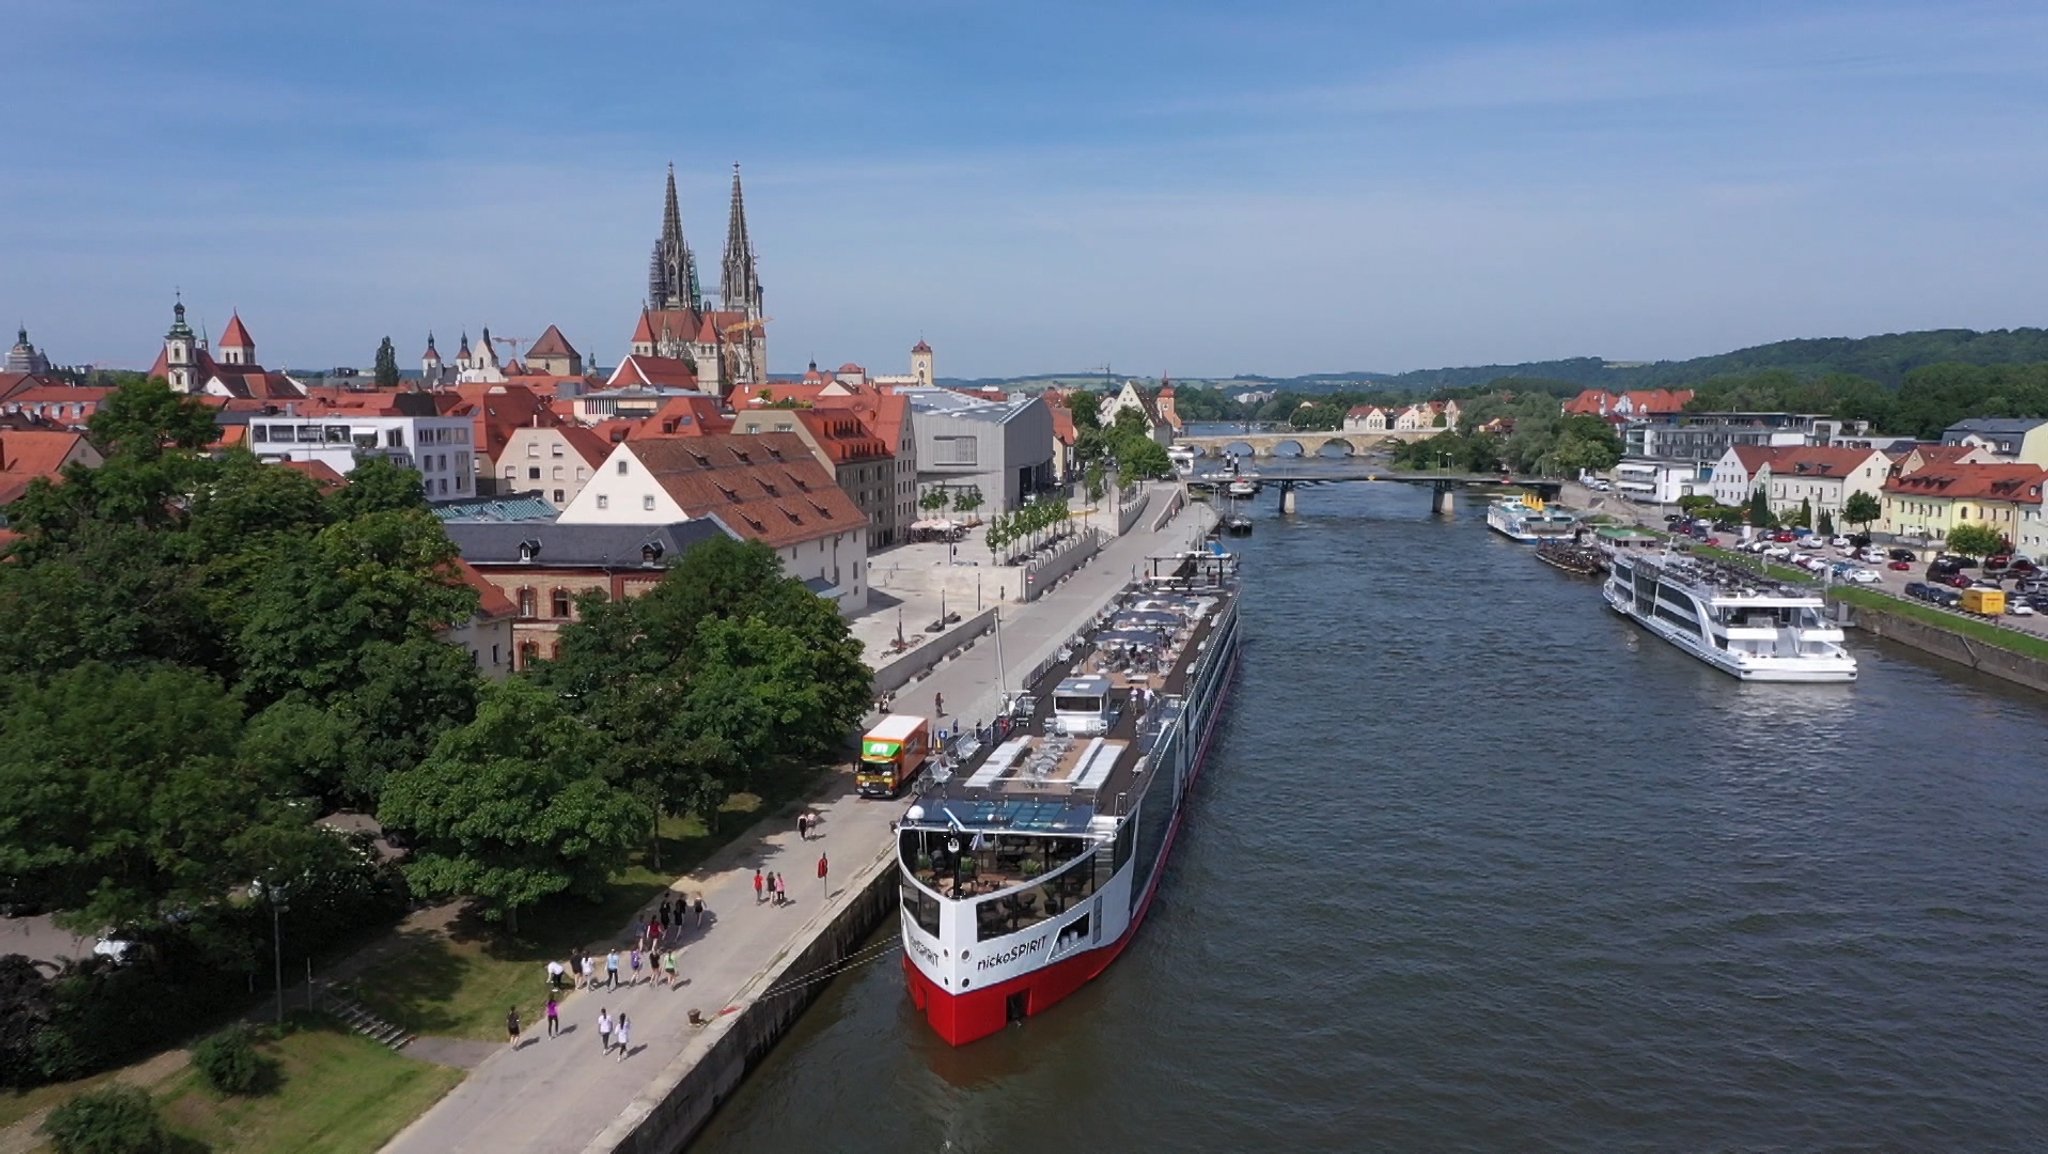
1478	866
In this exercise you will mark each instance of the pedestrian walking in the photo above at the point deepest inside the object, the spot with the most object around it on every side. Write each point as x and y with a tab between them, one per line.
512	1025
668	968
584	981
700	909
781	893
554	1016
625	1035
604	1031
636	966
611	970
803	827
758	885
653	933
824	868
939	704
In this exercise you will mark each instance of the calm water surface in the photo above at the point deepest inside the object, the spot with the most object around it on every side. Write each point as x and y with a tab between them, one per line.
1478	866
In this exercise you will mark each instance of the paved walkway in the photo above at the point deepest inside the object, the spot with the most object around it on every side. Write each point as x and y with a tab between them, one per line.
559	1093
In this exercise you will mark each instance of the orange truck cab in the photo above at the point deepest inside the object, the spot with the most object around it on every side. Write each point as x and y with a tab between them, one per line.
891	754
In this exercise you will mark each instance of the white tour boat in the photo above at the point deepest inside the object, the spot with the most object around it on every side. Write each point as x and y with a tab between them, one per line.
1529	519
1026	870
1734	620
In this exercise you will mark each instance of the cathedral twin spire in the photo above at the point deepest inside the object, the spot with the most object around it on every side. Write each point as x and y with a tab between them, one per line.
672	270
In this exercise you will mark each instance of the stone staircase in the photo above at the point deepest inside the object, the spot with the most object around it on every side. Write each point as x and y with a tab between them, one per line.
359	1019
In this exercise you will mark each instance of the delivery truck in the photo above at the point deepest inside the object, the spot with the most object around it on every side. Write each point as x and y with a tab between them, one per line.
891	754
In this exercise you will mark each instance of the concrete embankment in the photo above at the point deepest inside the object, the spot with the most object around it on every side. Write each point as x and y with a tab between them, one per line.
1949	645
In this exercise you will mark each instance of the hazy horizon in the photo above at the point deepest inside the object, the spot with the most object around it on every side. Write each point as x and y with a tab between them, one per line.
1189	188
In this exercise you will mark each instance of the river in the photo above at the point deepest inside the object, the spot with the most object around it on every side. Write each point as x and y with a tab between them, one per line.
1478	866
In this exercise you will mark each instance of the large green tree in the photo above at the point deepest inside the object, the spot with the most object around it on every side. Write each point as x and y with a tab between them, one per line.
513	807
1861	509
1974	540
124	792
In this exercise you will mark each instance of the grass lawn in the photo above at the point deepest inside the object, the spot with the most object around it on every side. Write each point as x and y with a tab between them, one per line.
459	983
1976	629
18	1104
338	1093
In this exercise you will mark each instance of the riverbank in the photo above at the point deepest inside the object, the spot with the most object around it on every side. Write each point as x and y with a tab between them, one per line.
1982	644
564	1094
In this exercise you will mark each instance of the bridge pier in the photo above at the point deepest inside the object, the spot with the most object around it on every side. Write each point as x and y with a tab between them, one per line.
1287	498
1443	499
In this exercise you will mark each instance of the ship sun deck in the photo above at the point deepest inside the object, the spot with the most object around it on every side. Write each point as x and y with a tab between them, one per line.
1032	794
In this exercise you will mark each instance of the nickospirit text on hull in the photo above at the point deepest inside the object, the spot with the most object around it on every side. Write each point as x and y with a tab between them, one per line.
1028	868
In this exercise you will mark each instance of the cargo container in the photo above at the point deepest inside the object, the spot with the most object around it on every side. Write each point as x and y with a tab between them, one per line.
1989	602
891	754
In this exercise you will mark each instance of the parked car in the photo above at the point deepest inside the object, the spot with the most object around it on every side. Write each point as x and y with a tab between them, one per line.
1946	598
2018	609
1901	566
1673	518
1957	581
1918	590
1726	527
1861	577
1840	542
1777	552
1904	555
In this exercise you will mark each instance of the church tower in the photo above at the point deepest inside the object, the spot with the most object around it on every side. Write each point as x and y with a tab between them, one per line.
672	270
180	352
740	276
921	362
237	347
430	363
25	357
463	361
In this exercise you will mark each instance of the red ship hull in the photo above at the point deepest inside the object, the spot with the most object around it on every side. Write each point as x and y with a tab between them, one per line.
961	1018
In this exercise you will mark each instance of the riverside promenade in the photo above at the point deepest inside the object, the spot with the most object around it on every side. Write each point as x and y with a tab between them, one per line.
562	1094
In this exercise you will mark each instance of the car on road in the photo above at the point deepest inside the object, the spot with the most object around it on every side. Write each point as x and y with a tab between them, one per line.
1904	555
1900	566
1861	577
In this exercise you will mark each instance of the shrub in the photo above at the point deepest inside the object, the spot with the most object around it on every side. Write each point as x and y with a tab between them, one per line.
230	1064
116	1120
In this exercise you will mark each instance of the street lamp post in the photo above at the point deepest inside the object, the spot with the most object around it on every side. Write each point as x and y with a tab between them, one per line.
270	891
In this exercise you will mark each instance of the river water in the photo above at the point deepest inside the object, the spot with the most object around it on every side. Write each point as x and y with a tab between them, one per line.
1478	866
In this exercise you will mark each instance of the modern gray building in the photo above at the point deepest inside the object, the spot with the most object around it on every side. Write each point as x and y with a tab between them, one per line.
1004	448
1705	437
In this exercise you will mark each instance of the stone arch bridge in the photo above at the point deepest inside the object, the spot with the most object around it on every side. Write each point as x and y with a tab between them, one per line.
1309	444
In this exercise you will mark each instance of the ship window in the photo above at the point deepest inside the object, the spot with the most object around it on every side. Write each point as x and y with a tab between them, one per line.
1007	913
922	909
1077	705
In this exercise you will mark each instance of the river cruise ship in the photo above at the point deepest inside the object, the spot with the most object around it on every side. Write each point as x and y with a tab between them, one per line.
1529	519
1028	868
1734	620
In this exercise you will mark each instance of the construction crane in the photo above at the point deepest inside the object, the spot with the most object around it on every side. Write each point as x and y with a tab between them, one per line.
733	330
515	342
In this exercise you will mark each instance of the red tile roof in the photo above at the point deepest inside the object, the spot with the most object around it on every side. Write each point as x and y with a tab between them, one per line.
322	474
2018	483
492	604
25	456
765	487
657	372
1754	457
1813	461
498	411
844	437
236	334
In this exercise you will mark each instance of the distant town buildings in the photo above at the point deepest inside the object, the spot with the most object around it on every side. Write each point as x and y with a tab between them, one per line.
1817	478
25	357
2023	439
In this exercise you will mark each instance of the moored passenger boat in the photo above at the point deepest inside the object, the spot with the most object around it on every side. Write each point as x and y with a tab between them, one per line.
1737	621
1027	871
1528	518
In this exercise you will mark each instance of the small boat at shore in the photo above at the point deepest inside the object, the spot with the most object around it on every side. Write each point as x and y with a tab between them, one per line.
1578	560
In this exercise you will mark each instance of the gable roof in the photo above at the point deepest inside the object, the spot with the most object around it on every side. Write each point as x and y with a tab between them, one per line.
322	474
491	604
27	455
551	344
764	487
654	372
1816	461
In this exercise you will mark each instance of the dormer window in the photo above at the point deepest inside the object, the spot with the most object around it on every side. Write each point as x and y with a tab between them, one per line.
730	494
703	462
529	549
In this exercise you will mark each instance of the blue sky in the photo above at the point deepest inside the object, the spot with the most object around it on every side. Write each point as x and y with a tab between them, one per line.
1188	187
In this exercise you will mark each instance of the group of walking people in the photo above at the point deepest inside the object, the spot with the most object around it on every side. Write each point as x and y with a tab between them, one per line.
770	887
